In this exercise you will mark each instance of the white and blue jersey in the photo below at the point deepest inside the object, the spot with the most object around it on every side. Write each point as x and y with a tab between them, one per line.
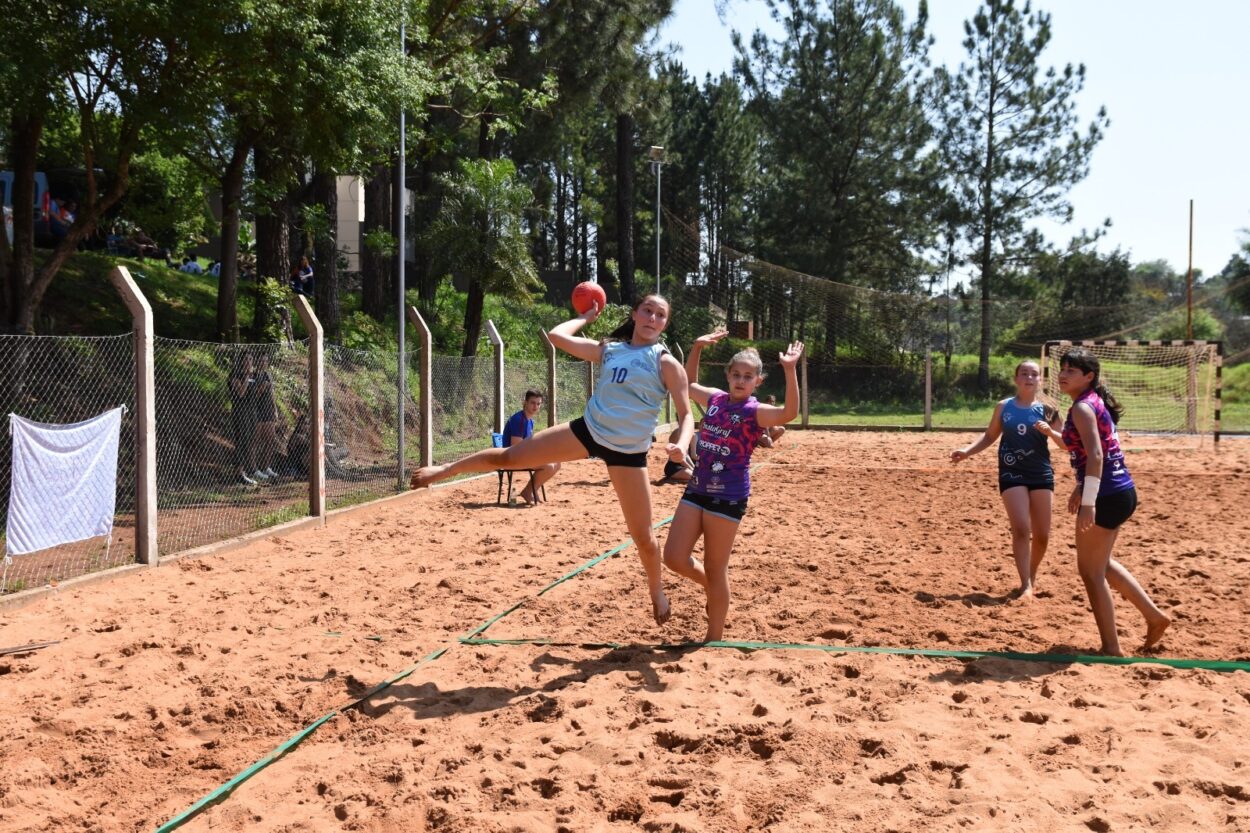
1023	455
624	410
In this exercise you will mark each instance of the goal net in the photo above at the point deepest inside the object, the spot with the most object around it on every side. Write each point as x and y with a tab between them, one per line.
1166	387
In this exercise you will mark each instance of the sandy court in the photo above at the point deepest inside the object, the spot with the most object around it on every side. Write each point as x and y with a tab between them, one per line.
167	684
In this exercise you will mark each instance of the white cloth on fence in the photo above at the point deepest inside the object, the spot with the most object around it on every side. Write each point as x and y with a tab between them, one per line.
64	486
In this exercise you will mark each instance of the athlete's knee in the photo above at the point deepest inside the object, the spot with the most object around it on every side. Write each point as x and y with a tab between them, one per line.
1021	532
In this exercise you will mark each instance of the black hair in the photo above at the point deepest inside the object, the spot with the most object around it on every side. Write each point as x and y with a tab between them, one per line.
625	332
1086	362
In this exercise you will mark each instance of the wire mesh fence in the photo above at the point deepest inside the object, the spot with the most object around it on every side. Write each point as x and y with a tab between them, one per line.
231	439
362	429
464	404
572	388
60	380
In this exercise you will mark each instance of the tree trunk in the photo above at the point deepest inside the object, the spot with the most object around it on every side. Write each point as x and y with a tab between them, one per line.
20	272
427	281
561	220
273	242
473	308
83	225
987	250
231	205
325	271
625	206
375	272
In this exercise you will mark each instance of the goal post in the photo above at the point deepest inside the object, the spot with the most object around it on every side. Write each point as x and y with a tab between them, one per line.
1166	387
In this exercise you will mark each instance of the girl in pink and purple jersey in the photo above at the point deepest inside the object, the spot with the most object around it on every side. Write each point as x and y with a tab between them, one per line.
716	496
1104	498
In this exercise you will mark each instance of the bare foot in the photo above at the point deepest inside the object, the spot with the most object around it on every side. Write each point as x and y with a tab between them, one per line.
661	609
1154	632
1111	652
423	477
1025	594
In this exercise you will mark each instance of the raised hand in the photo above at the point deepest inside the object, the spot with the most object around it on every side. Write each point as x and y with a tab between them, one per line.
591	314
792	355
710	338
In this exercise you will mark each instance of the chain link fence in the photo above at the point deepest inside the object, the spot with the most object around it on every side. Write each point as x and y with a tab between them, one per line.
60	380
362	431
231	439
233	429
464	405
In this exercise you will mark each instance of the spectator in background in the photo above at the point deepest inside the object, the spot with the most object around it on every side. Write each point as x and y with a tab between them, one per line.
214	269
520	427
265	435
242	384
304	284
191	267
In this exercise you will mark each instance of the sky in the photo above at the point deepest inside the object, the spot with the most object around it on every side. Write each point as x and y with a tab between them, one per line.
1174	77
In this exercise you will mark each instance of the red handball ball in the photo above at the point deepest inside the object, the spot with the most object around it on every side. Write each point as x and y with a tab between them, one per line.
586	294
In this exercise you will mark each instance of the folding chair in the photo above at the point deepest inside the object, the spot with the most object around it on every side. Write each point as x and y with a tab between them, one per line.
497	442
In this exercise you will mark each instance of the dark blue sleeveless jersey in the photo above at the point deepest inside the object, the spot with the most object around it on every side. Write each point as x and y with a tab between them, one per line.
1023	453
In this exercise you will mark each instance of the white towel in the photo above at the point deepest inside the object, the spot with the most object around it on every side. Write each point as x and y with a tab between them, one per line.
64	481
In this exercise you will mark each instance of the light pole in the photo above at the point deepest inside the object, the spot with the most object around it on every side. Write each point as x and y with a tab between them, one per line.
657	163
401	278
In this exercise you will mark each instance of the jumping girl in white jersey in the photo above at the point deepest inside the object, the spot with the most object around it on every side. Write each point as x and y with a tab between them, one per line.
618	425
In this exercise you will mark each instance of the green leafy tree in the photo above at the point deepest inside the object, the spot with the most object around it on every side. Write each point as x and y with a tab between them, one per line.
124	67
1011	140
478	232
849	180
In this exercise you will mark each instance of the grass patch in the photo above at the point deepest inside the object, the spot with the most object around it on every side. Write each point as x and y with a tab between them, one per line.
281	515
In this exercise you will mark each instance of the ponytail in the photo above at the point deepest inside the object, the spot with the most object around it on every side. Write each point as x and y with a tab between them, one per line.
625	332
1113	406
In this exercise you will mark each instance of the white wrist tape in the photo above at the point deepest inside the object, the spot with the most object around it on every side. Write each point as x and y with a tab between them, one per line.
1089	493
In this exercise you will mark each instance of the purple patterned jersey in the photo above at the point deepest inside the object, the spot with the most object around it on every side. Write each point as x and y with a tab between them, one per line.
729	434
1115	476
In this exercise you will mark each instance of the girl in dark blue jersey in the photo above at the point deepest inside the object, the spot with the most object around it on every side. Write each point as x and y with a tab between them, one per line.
1026	480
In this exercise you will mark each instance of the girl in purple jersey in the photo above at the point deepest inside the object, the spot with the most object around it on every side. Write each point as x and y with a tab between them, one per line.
1104	498
716	497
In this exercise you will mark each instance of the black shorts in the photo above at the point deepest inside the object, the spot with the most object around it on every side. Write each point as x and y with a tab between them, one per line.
1110	511
635	460
734	510
1032	487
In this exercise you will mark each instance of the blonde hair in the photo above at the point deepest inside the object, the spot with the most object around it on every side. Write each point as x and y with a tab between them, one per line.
751	358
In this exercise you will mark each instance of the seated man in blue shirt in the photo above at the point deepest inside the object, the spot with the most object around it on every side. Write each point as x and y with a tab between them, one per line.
520	428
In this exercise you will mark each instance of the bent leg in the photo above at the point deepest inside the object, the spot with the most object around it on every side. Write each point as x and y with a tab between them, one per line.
1127	586
634	494
683	534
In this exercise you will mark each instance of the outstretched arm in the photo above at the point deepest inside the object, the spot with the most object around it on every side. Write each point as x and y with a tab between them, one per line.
992	432
770	415
565	337
700	393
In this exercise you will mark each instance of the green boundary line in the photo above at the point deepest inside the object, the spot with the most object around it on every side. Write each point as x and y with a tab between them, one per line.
473	638
1063	659
223	792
